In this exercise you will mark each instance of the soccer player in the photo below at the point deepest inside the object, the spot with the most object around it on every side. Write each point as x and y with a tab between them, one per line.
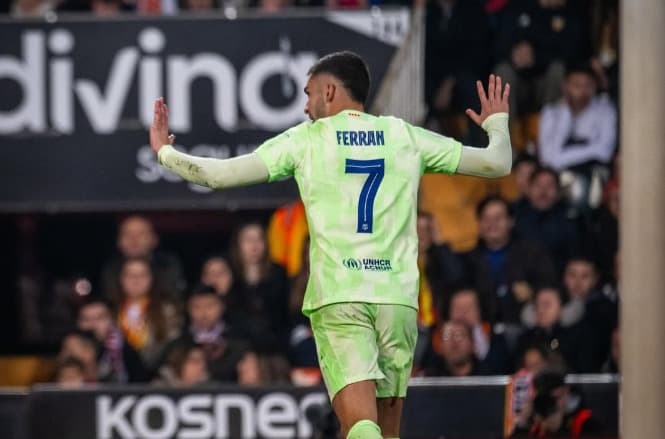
358	177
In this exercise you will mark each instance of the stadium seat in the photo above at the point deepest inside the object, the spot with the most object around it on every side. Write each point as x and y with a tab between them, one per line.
23	371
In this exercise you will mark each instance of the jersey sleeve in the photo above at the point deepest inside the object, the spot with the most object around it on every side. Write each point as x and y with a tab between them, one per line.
438	153
283	153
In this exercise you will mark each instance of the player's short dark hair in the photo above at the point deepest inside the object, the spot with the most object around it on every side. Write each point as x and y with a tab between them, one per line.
350	69
480	209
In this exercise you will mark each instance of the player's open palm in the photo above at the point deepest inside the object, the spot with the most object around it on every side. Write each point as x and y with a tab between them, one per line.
159	131
495	101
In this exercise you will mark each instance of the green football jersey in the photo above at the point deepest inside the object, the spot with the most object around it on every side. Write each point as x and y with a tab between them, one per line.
358	177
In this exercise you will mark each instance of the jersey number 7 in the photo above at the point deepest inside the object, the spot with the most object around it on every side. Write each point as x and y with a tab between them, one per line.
375	170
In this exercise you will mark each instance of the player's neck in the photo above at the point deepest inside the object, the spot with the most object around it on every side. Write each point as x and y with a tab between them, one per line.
346	104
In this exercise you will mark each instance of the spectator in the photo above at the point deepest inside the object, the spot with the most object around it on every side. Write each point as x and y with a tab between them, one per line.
490	347
117	361
545	218
581	128
454	355
218	274
536	39
287	235
451	86
70	373
209	330
439	266
578	135
82	346
580	281
535	359
256	370
440	271
524	166
186	367
30	8
573	346
605	63
503	268
263	289
137	239
557	410
600	309
147	321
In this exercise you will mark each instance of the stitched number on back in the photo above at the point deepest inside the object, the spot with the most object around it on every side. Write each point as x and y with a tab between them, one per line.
375	170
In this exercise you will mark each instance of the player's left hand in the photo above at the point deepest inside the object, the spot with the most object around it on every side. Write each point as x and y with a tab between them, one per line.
495	101
159	131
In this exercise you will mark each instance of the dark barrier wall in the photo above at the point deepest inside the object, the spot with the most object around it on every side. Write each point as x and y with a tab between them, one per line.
154	414
76	101
466	409
13	414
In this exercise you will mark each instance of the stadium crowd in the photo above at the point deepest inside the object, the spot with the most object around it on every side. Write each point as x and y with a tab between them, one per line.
532	292
517	275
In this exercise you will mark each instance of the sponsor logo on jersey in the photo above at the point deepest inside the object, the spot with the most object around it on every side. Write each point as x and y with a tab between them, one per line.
360	138
353	264
368	264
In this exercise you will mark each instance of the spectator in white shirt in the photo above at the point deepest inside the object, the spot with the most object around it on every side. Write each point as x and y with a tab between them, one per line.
580	128
578	134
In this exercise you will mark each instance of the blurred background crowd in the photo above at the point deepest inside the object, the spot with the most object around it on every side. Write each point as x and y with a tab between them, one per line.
518	275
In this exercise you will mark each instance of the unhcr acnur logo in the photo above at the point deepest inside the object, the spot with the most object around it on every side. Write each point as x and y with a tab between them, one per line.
352	264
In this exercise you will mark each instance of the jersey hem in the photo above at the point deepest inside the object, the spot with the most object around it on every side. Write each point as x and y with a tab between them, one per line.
308	310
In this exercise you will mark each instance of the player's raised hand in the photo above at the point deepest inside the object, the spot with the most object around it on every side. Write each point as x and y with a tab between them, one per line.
495	101
159	131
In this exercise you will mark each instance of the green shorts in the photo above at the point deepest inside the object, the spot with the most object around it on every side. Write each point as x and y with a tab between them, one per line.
365	341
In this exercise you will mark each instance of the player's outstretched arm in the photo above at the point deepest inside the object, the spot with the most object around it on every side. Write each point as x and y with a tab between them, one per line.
496	159
213	173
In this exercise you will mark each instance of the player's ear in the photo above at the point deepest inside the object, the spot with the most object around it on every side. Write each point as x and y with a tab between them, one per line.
331	89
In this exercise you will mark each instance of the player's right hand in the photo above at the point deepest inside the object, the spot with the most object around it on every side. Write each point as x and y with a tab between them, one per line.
159	130
495	101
